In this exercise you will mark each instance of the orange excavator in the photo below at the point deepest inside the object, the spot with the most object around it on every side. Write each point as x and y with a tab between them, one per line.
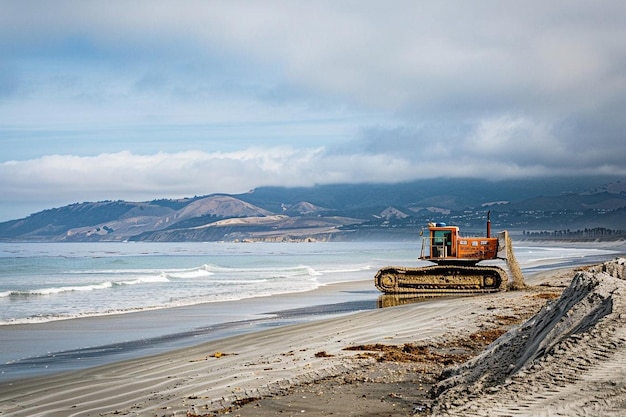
456	269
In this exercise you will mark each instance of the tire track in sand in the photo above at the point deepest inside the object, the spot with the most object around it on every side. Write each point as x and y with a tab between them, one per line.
581	372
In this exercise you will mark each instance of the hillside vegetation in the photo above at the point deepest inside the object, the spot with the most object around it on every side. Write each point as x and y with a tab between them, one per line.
540	208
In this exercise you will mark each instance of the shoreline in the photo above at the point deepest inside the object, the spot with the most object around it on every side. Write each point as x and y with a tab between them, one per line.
216	374
75	344
164	330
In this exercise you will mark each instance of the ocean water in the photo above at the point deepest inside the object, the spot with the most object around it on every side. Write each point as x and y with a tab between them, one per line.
42	282
181	292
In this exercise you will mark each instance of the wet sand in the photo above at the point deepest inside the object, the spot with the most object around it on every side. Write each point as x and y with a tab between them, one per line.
378	362
46	348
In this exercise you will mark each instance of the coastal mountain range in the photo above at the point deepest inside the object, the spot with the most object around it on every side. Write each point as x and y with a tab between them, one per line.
340	212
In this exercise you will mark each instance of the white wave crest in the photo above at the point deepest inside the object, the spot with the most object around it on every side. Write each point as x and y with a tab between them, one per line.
81	288
60	290
201	272
150	279
296	270
346	269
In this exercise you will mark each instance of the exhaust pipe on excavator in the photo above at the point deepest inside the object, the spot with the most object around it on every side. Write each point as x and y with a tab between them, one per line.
489	224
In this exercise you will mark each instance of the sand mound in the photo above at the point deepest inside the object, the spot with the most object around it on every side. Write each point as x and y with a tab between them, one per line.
517	282
569	359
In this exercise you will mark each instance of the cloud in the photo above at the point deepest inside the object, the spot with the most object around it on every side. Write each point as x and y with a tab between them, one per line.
146	99
498	147
452	56
125	175
128	175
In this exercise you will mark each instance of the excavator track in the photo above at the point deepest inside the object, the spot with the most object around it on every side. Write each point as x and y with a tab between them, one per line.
440	279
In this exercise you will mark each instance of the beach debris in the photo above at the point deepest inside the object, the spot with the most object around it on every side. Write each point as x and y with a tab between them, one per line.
406	353
323	354
217	354
442	354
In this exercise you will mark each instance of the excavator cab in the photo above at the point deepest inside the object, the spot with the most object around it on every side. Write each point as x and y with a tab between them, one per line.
440	241
444	245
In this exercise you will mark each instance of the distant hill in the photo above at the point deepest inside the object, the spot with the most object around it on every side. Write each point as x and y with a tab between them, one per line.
337	212
455	194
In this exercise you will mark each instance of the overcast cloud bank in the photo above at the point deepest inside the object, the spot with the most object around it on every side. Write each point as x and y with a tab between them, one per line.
148	99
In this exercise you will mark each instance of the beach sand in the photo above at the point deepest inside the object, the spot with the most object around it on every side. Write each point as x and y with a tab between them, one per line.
378	362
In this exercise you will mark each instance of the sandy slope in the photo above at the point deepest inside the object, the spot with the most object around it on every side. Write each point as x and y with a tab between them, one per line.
570	359
580	358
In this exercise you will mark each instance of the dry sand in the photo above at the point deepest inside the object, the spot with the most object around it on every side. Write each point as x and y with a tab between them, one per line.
568	359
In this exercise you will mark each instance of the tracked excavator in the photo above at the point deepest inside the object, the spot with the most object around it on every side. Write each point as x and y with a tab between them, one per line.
456	269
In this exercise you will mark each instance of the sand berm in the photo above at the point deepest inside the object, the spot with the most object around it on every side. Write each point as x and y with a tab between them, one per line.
567	360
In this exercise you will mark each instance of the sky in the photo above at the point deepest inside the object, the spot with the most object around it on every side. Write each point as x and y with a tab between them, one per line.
137	100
